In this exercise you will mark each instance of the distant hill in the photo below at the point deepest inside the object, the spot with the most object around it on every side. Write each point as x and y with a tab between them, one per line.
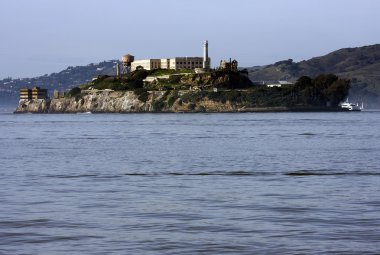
63	80
361	65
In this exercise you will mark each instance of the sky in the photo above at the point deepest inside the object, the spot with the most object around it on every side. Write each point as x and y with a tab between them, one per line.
40	37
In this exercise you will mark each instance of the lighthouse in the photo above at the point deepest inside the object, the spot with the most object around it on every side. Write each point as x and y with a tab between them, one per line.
206	61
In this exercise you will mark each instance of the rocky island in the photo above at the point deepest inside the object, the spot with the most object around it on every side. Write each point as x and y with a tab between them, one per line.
186	84
186	91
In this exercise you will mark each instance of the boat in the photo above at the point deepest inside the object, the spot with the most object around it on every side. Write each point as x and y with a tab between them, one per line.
350	106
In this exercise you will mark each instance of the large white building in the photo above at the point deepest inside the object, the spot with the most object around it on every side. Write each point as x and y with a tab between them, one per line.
175	63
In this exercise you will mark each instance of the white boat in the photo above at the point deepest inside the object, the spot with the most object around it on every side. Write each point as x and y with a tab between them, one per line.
350	106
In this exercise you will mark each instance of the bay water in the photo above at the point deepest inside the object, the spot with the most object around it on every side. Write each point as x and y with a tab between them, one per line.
249	183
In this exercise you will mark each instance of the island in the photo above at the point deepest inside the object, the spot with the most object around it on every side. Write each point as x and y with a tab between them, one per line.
184	91
186	84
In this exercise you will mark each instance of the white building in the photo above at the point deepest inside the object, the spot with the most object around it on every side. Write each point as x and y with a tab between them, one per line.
147	64
175	63
279	84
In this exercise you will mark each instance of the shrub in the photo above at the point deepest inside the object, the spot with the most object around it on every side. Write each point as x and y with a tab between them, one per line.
175	79
142	94
74	92
139	75
191	106
171	101
158	105
118	86
143	97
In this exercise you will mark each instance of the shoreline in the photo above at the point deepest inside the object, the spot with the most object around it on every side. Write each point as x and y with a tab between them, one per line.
246	110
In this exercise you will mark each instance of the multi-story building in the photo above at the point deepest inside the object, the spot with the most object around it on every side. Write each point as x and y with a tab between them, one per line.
38	93
229	65
169	63
34	93
175	63
25	94
147	64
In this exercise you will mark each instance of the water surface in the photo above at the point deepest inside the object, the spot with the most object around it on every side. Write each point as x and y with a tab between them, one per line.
250	183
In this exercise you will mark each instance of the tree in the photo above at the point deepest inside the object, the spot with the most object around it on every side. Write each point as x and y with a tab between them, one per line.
74	92
337	91
325	89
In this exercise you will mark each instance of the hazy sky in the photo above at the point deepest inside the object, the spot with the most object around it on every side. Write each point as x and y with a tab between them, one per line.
44	36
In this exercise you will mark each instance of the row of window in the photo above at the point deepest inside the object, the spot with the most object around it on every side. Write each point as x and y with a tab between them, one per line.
189	63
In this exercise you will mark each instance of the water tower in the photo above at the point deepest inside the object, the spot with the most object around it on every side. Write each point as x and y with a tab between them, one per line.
126	62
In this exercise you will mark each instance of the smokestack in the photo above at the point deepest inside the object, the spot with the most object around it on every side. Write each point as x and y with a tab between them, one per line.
117	70
206	64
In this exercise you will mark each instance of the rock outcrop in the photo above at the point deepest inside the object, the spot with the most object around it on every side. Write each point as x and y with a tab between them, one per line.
122	102
97	102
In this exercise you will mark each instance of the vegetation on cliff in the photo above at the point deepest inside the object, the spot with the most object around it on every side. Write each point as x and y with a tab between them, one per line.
323	92
225	87
171	79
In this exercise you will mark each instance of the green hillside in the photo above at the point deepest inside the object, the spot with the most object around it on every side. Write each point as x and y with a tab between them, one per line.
361	65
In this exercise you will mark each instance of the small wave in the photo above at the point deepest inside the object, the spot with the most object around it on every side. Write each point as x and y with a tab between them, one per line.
330	173
307	134
212	173
71	176
84	138
138	174
25	223
221	173
49	239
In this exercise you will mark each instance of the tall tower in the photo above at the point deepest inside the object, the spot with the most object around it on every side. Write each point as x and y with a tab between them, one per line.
206	61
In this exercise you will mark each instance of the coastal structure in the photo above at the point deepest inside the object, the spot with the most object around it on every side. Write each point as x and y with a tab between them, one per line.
38	93
59	94
278	84
174	63
34	93
228	65
25	94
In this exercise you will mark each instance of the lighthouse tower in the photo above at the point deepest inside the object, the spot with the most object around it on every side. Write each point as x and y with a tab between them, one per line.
206	60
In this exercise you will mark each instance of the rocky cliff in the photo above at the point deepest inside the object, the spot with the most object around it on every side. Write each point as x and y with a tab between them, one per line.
166	101
124	102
